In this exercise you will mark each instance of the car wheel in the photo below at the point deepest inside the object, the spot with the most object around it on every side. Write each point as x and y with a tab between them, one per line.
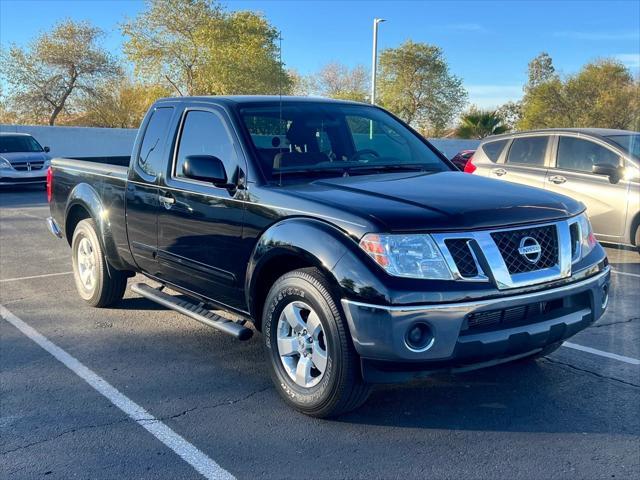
312	359
638	239
98	283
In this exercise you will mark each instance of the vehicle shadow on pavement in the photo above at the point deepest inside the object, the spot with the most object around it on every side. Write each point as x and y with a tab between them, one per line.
538	396
22	196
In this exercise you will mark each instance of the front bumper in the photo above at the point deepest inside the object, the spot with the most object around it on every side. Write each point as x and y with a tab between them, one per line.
20	177
380	332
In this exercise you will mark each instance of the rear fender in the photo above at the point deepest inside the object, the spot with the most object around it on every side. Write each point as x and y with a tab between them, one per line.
85	196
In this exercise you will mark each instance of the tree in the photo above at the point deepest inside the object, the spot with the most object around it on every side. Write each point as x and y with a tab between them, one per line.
336	80
540	70
415	84
198	48
511	113
603	94
57	69
121	103
477	123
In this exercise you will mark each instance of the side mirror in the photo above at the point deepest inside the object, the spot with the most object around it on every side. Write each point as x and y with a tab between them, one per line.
206	168
46	149
614	173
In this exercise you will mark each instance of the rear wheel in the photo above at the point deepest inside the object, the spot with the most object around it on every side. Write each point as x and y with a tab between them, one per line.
313	362
99	284
638	239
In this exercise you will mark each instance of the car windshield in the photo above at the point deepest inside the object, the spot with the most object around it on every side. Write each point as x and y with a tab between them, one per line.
295	138
630	142
18	143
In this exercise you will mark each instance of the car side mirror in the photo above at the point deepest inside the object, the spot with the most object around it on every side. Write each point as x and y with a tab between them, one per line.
614	173
205	168
46	149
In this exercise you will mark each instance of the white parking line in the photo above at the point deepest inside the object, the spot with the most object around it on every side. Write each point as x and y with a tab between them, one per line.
34	276
602	353
188	452
626	273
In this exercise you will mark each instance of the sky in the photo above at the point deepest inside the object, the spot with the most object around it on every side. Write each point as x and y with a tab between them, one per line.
486	43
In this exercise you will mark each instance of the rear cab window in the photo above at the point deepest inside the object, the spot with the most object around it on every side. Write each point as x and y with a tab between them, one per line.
150	158
528	151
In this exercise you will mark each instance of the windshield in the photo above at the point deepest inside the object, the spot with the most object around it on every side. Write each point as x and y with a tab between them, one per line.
630	142
334	139
18	143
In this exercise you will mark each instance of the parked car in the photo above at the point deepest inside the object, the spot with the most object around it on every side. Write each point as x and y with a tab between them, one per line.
461	158
598	167
362	258
22	159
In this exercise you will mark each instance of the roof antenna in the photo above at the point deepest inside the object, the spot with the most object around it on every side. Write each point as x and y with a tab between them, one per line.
281	134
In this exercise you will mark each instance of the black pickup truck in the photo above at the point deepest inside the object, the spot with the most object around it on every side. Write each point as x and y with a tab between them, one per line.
359	251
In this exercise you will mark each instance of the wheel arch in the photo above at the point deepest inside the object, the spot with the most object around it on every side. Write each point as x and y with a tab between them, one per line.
290	245
84	202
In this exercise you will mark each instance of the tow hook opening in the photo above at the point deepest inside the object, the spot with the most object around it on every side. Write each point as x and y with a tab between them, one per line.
605	296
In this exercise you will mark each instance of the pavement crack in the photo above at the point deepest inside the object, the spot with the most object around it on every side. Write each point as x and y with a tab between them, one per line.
584	370
216	405
66	432
615	323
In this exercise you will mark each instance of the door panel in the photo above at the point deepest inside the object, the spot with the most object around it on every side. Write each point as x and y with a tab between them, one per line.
200	225
525	162
606	202
142	189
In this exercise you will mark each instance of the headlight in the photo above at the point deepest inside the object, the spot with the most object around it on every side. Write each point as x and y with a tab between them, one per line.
413	256
587	240
4	164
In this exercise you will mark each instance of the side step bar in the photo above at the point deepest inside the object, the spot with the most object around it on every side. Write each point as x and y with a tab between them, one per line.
194	311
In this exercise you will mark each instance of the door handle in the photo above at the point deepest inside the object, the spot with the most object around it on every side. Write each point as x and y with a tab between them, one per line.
166	201
499	171
557	179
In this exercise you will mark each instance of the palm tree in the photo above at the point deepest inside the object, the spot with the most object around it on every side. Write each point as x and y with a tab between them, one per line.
477	123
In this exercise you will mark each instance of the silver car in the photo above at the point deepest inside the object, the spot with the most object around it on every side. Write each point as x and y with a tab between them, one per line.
599	167
22	159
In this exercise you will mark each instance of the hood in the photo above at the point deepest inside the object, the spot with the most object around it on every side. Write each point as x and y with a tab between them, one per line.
437	201
21	157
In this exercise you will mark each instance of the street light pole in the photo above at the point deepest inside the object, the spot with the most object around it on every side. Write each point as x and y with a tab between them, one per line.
374	61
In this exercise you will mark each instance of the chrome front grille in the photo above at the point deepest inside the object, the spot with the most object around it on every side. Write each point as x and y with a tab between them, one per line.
461	252
508	242
27	166
510	257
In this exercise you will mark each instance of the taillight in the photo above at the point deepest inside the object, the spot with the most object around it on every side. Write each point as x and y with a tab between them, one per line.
469	166
49	184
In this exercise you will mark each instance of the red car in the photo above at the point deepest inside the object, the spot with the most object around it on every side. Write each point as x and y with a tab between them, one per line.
461	159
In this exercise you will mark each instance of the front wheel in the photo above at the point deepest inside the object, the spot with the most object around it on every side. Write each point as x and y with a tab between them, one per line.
313	362
98	284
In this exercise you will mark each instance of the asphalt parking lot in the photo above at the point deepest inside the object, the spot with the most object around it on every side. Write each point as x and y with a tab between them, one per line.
575	414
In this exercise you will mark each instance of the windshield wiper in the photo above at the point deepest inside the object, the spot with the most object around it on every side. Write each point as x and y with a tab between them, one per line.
387	168
308	171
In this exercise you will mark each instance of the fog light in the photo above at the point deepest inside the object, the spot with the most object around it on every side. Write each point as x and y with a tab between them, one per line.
419	337
605	296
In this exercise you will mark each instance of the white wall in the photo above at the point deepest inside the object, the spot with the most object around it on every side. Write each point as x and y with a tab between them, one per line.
81	141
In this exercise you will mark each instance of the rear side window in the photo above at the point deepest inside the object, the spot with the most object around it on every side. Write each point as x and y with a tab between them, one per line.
528	151
205	133
582	155
493	149
150	158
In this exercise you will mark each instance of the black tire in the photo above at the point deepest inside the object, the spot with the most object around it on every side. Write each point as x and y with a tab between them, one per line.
637	235
340	388
109	284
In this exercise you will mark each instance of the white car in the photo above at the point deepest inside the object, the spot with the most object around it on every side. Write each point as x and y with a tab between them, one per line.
22	160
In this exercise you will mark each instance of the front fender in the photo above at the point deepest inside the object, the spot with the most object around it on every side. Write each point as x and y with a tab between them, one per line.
85	196
314	242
